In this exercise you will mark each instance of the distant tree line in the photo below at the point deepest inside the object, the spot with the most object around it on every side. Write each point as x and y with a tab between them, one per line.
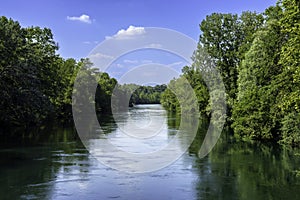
147	94
139	94
258	57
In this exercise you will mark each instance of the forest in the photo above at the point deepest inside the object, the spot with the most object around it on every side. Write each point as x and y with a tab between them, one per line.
257	55
142	94
36	83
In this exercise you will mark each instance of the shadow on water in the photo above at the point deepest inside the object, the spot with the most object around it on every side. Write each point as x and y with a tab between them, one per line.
52	163
245	170
29	169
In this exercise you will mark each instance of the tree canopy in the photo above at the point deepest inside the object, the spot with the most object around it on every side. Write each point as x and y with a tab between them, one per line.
36	84
258	57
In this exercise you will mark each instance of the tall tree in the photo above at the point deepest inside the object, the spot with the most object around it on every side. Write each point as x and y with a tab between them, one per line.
289	80
21	80
226	38
254	113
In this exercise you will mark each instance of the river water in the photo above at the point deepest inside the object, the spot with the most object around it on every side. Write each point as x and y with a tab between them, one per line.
54	164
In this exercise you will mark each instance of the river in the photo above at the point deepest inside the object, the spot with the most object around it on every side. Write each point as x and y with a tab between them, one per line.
54	164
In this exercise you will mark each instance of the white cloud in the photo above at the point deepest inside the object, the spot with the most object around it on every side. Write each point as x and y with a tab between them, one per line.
129	33
115	73
131	61
100	55
154	45
147	61
83	18
175	64
119	65
86	42
89	42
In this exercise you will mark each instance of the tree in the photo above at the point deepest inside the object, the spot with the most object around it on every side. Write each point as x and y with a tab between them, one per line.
288	81
226	38
254	114
21	76
104	92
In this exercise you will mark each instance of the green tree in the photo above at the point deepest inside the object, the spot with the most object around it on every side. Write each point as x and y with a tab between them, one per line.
254	113
288	82
226	37
24	80
104	92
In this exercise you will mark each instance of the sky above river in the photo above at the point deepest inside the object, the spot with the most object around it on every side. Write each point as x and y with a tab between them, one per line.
79	26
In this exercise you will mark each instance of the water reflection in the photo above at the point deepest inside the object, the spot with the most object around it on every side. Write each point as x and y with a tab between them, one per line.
31	171
57	166
142	142
247	171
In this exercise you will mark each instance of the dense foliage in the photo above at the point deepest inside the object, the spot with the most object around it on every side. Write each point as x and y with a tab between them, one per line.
258	57
131	94
36	84
147	94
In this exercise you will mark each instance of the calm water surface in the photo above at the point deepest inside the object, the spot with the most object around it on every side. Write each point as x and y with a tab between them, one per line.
55	165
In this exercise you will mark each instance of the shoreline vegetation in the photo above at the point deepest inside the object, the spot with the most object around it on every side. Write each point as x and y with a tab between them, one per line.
257	55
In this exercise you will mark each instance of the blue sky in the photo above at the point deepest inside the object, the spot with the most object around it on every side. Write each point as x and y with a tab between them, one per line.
77	39
78	26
